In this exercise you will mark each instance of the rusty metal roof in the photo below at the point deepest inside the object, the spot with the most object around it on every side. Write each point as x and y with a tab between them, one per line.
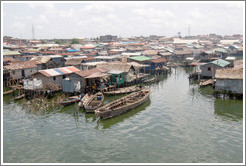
230	73
160	60
85	73
58	71
21	65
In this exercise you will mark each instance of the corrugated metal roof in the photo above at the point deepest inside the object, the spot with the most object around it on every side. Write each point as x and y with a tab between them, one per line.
21	65
221	50
115	72
42	59
116	66
59	71
9	59
85	73
160	60
229	74
97	75
220	62
150	52
140	58
8	52
107	57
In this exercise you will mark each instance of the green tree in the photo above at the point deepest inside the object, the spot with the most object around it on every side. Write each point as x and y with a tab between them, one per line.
43	41
58	41
75	41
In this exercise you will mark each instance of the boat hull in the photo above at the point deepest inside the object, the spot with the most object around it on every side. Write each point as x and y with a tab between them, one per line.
65	103
8	92
121	109
93	103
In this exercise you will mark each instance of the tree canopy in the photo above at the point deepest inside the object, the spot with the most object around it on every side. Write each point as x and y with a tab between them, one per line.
75	41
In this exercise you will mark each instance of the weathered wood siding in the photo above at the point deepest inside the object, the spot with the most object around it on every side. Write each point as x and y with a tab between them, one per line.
49	80
77	78
232	85
17	74
209	73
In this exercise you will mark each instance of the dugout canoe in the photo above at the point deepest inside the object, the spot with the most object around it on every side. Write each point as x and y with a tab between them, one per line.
8	92
94	102
123	104
70	101
19	97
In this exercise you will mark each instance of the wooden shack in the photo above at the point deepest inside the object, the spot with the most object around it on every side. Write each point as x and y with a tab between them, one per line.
229	80
208	69
54	76
20	70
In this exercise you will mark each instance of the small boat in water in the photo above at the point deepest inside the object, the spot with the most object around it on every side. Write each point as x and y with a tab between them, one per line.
94	102
123	104
19	97
70	101
124	90
84	100
8	92
207	82
149	80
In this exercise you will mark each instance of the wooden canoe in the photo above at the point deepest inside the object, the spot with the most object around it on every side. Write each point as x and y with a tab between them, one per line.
94	102
149	80
73	97
71	101
207	82
19	97
84	100
123	90
123	104
8	92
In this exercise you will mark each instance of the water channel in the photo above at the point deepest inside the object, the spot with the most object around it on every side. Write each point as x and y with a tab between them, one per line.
181	123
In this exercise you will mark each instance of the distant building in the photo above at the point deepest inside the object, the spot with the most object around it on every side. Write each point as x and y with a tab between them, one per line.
108	38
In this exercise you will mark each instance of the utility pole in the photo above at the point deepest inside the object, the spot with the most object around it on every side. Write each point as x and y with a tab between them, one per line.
189	30
33	37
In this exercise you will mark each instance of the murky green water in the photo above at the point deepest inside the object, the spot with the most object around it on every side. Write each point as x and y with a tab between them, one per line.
181	123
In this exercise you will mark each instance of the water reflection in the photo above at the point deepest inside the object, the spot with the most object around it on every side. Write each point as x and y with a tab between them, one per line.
110	122
189	69
229	109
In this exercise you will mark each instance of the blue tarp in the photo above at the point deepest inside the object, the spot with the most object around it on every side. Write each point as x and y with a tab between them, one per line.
128	42
72	50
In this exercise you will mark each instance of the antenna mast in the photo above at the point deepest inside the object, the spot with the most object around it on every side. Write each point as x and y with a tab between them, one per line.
189	30
33	37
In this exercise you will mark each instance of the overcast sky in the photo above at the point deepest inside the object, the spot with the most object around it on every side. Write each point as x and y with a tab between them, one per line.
125	19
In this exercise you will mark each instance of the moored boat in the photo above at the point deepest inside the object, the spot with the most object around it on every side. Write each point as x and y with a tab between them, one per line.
124	90
19	97
84	100
207	82
123	104
8	92
94	102
70	101
149	80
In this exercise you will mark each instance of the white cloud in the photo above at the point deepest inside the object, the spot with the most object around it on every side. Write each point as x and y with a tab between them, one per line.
124	19
46	6
235	4
17	25
98	8
196	14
